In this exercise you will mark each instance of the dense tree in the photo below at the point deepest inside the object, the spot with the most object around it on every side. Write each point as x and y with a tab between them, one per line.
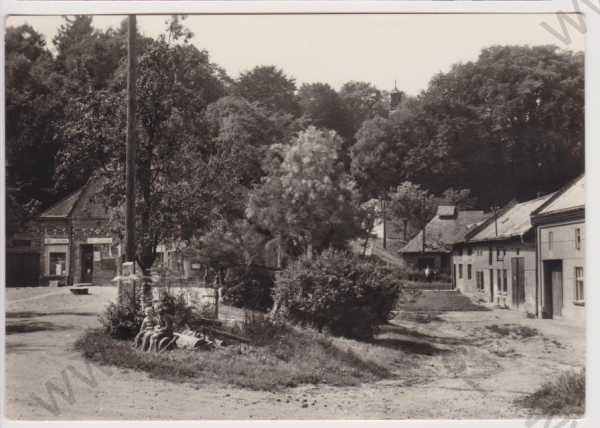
362	101
322	107
269	86
175	84
32	111
308	197
509	125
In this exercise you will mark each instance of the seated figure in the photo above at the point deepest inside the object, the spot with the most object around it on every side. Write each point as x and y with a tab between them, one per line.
162	330
147	328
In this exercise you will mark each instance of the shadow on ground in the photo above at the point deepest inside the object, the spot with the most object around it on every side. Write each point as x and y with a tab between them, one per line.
31	326
30	314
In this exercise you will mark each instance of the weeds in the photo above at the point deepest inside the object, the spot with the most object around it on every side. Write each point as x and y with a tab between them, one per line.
563	396
514	330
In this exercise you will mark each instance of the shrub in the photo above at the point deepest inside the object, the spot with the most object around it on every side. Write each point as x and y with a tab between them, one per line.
342	293
176	306
121	321
249	287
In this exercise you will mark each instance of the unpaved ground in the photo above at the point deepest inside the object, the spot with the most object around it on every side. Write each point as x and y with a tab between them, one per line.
467	371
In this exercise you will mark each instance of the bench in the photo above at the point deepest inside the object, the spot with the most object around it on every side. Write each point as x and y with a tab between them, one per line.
80	288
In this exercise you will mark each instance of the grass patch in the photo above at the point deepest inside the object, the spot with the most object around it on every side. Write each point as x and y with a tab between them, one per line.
563	396
514	330
292	357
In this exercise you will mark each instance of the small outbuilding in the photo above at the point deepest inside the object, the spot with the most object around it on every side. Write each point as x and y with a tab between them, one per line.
70	242
447	227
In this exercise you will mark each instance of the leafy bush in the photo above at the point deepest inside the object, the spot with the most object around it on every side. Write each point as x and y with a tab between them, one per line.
121	321
342	293
249	287
176	306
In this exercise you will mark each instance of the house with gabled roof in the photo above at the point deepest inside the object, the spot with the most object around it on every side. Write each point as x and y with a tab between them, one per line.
432	246
69	242
496	260
560	237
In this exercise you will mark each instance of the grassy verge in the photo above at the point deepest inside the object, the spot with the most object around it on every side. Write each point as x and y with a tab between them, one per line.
563	396
291	357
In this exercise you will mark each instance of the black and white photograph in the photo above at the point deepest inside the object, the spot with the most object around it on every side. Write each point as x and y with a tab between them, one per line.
295	217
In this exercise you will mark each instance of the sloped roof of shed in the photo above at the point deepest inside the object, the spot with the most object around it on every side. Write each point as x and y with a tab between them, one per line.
513	221
442	232
85	202
63	208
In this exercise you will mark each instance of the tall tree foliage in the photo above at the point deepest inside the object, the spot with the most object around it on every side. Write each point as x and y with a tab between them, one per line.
307	197
32	112
508	125
175	83
270	87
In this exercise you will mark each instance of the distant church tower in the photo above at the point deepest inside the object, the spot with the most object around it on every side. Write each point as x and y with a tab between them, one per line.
396	97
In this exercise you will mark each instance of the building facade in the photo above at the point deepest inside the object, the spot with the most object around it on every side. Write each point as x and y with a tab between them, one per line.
448	227
71	242
496	262
560	239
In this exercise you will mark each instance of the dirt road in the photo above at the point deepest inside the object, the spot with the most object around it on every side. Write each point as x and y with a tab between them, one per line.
480	378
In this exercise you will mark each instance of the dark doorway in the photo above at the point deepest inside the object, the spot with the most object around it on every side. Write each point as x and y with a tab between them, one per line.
491	285
22	269
87	263
518	280
424	262
553	289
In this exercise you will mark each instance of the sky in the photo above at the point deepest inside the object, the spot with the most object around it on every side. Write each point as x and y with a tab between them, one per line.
408	49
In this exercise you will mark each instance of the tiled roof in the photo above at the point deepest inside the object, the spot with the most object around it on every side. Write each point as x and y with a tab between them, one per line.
442	232
513	221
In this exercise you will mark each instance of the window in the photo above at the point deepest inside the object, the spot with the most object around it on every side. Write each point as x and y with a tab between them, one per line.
579	293
518	251
460	251
469	272
479	279
490	254
469	251
460	271
58	264
491	279
550	240
500	254
577	238
505	281
479	251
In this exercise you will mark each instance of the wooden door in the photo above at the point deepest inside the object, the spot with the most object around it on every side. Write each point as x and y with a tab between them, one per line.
553	292
557	293
518	280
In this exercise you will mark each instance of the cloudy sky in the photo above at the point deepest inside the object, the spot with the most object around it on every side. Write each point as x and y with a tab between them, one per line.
380	49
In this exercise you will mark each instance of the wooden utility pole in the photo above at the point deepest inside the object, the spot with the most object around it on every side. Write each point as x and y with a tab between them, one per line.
131	143
383	216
